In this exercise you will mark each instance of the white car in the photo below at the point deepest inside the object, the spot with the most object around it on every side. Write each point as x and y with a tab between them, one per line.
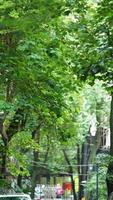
15	197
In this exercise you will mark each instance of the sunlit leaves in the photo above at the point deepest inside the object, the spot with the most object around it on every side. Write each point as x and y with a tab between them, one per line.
20	145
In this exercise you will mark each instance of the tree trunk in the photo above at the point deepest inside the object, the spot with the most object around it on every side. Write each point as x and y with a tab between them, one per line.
19	181
86	155
73	187
34	174
111	128
4	150
71	174
79	167
109	178
83	160
36	137
3	163
3	171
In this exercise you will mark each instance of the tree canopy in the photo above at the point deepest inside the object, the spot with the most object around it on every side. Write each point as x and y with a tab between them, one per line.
55	86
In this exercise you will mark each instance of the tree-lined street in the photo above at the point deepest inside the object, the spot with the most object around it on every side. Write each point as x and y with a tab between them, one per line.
56	97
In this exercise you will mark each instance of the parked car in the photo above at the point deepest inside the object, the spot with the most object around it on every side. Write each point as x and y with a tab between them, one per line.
15	197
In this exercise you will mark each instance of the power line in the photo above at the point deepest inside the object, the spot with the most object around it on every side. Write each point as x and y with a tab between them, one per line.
75	165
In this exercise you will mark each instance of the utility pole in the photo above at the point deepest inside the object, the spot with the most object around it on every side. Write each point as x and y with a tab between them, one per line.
97	182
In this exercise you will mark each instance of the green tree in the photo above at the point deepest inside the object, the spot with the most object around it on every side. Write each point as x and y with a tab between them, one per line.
34	78
93	56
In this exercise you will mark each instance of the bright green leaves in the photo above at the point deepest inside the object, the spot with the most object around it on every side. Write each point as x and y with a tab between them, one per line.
20	153
34	74
93	55
6	4
43	43
23	140
4	106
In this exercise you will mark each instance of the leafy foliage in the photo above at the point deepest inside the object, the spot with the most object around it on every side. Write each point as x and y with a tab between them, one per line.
48	49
